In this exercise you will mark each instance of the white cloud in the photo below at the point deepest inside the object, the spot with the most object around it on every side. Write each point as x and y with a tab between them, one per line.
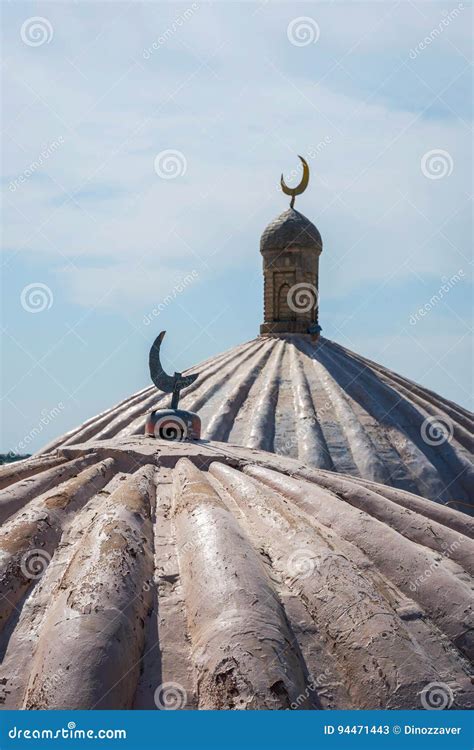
238	123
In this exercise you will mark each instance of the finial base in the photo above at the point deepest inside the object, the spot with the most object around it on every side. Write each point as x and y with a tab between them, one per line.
176	425
285	326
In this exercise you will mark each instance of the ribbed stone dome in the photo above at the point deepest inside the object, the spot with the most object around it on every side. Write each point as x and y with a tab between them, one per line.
290	229
326	406
141	574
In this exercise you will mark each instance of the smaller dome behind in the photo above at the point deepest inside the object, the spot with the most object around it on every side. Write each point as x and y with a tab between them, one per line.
290	228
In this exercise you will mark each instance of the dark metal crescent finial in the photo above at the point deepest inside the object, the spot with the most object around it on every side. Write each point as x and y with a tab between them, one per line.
160	378
299	188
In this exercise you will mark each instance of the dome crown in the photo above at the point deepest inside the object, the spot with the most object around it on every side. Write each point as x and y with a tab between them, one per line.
291	228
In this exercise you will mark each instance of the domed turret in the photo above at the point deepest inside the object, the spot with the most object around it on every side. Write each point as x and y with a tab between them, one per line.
291	246
291	229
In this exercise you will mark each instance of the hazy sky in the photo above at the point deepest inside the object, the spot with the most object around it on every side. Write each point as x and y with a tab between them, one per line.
100	227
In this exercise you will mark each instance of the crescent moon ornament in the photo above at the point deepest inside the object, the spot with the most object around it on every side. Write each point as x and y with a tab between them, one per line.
163	381
299	188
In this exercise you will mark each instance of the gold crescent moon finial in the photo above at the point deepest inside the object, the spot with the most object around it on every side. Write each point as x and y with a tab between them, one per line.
299	188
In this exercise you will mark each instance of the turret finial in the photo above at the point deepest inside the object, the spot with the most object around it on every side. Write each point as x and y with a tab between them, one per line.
299	188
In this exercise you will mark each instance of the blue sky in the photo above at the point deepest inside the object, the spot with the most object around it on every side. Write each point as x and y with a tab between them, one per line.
94	93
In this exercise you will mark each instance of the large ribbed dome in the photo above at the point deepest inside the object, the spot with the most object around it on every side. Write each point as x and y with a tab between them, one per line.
290	229
136	573
324	405
307	553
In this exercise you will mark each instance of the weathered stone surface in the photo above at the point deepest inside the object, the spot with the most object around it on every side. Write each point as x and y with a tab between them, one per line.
214	576
324	405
